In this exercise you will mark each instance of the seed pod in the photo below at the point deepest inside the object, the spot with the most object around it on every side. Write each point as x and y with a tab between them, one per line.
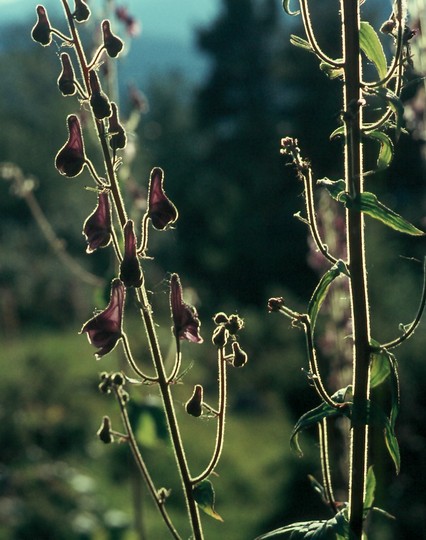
240	357
194	406
81	11
98	100
66	78
41	31
113	44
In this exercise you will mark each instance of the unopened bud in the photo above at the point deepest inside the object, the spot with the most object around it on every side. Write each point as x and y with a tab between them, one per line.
220	337
240	357
194	406
388	27
66	78
41	31
98	100
118	379
220	318
104	432
116	131
113	44
235	324
81	12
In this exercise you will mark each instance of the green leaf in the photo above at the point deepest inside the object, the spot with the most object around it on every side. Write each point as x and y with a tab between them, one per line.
370	205
372	48
204	496
314	416
331	71
286	7
338	132
386	148
370	488
334	187
394	389
397	107
336	528
380	366
300	42
321	290
378	418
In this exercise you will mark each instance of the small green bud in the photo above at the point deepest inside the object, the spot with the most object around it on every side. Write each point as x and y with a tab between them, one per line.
194	406
104	432
220	337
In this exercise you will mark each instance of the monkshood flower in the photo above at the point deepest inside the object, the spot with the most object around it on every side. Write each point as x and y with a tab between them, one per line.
186	324
161	210
105	329
194	406
66	78
113	44
98	100
116	131
97	227
130	271
81	11
71	157
41	31
131	24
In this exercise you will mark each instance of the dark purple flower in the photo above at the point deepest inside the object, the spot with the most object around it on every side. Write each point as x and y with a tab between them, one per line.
130	271
131	24
186	324
161	210
105	329
113	44
116	131
41	31
98	100
71	157
97	227
66	78
81	11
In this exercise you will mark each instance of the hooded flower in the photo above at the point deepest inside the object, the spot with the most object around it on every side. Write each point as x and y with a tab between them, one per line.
186	324
130	271
98	100
81	12
131	24
161	210
97	227
113	44
105	329
66	78
41	31
71	157
116	130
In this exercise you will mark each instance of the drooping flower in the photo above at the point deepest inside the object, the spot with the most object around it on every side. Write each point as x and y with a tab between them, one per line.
97	227
161	210
104	330
186	324
98	100
66	78
116	131
131	24
113	44
130	271
81	11
71	157
41	31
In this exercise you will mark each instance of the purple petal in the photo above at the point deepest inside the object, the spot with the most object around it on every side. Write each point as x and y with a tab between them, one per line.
161	210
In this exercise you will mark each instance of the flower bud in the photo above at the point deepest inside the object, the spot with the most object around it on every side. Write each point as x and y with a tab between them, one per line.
98	100
220	337
116	131
71	157
388	27
194	406
220	318
66	78
104	432
97	228
240	357
234	325
41	31
186	323
81	11
118	379
113	44
130	271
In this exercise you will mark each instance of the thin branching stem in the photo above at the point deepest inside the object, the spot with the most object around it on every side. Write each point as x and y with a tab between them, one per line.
325	463
159	501
133	364
221	413
96	57
177	363
65	38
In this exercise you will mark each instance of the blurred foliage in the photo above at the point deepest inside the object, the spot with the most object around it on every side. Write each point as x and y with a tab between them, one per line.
236	243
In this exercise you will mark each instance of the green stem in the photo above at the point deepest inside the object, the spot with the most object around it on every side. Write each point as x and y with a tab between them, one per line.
356	252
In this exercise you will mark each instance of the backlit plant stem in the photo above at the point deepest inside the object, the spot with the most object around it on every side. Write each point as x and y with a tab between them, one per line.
356	253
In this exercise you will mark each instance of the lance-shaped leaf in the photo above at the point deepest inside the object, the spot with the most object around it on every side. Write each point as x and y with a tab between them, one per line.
338	132
71	157
397	107
314	416
204	496
334	187
372	48
386	148
331	71
370	205
336	528
380	367
322	288
378	418
370	489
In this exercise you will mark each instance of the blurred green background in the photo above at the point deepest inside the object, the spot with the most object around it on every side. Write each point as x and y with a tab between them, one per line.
213	123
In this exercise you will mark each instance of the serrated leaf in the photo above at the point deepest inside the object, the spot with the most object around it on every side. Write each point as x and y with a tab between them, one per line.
331	71
204	496
386	148
370	205
286	7
314	416
370	489
372	48
334	187
332	529
321	290
300	42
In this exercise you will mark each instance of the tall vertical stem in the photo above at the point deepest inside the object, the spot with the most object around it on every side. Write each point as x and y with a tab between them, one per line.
356	254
